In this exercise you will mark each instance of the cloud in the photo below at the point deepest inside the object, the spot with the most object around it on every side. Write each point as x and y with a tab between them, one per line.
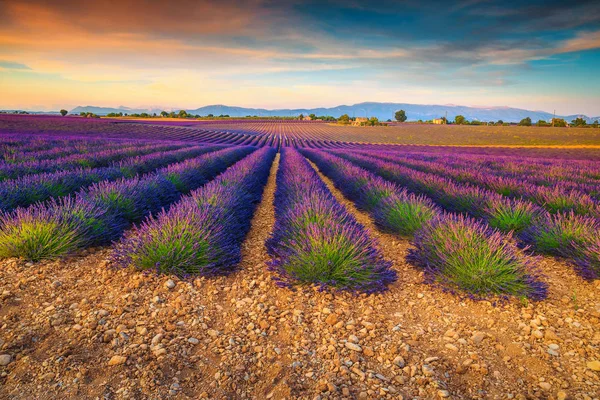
112	48
13	65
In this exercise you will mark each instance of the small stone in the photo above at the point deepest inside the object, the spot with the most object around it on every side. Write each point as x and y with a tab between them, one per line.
443	393
594	365
399	362
264	324
141	330
326	310
193	340
561	395
353	346
537	334
545	385
427	370
117	360
160	352
331	319
368	351
452	347
550	335
450	333
212	333
5	359
353	338
170	284
478	337
157	339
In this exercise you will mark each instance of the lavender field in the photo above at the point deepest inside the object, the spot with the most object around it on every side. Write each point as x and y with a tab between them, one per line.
255	226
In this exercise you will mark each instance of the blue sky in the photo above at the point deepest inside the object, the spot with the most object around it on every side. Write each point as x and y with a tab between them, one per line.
276	54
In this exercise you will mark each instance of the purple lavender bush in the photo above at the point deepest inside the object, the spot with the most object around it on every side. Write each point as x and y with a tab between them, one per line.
30	189
315	240
107	207
47	231
203	233
468	255
568	235
392	207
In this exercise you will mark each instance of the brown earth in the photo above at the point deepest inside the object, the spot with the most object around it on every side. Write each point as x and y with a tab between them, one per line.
79	328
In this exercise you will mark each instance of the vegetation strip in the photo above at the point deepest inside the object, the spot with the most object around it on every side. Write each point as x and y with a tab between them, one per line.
100	159
102	213
477	260
546	233
203	233
554	199
315	240
30	189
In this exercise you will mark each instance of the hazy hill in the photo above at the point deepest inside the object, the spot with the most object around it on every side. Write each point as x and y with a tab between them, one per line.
382	111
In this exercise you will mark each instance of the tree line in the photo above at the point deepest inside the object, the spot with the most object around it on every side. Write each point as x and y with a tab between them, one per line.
579	122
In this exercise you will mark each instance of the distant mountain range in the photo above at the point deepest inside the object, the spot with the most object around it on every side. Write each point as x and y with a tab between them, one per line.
383	111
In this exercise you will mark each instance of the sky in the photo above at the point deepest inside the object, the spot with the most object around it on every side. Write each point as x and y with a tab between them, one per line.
538	55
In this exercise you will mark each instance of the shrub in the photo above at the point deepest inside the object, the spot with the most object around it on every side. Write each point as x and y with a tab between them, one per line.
50	231
315	240
562	234
404	214
469	255
508	215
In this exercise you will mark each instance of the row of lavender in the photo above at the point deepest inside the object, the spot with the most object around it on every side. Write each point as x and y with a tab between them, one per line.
90	160
574	237
454	250
34	148
569	188
203	233
102	212
29	189
315	239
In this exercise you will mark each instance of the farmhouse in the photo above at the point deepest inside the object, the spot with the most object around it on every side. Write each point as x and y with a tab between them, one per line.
438	121
359	120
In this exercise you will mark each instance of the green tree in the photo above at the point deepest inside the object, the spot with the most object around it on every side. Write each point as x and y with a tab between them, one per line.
578	122
400	116
595	124
344	119
312	116
164	114
500	122
559	122
373	121
541	122
459	120
182	114
301	117
525	122
63	112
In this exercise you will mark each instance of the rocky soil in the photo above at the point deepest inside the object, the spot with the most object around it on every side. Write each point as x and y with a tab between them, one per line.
80	328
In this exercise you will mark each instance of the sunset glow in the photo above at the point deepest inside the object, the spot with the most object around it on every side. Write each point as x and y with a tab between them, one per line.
539	56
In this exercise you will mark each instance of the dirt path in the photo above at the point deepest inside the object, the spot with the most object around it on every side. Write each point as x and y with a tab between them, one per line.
63	324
